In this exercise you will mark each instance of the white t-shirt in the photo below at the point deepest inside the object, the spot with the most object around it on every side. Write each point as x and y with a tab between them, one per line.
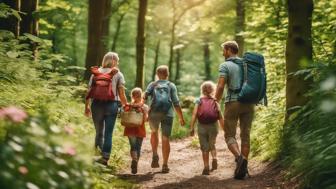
118	77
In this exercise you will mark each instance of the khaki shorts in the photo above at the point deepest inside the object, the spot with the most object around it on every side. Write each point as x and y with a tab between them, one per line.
156	119
207	134
233	112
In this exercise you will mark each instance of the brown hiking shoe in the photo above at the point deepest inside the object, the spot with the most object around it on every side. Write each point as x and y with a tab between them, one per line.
134	167
165	168
155	161
206	171
214	165
102	161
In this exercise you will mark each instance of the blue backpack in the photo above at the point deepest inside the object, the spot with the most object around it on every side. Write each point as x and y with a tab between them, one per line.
253	87
161	97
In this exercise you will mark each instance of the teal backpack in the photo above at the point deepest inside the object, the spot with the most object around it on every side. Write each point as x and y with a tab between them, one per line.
161	97
254	84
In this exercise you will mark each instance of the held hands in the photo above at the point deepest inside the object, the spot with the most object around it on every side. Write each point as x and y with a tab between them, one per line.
182	122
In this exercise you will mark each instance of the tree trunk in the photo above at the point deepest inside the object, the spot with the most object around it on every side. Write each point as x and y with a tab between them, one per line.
156	60
116	35
172	42
98	22
178	66
298	51
240	25
207	62
11	23
29	23
140	44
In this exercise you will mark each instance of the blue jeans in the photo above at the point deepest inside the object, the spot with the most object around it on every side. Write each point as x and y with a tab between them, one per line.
135	143
104	114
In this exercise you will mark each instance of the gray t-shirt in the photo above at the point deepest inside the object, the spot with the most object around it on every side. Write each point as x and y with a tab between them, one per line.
232	74
118	78
173	94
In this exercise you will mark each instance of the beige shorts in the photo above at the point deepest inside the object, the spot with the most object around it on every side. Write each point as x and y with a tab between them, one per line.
233	112
207	134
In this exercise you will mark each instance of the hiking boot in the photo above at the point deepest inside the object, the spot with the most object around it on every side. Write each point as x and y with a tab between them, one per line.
102	161
155	161
206	171
165	168
214	165
241	168
134	167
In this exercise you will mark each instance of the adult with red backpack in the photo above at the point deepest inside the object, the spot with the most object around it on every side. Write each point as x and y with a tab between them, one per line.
246	83
106	91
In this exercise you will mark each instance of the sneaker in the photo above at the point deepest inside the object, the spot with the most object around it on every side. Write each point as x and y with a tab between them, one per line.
241	168
214	164
165	168
155	161
102	161
206	171
134	167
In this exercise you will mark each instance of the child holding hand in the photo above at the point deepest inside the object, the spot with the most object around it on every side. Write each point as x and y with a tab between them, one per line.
136	134
207	112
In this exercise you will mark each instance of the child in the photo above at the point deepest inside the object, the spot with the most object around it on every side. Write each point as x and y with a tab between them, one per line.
136	134
164	100
207	112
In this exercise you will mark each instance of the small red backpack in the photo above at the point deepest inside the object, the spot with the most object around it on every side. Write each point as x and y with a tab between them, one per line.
207	112
101	88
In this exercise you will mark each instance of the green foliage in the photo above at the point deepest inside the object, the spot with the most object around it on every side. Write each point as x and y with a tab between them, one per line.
53	98
309	144
38	154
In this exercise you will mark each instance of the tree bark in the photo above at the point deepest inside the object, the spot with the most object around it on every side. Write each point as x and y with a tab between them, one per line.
140	44
116	35
298	51
98	24
156	60
240	25
207	62
172	42
178	66
11	23
29	22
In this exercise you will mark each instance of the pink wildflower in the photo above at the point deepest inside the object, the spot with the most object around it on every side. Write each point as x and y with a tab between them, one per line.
23	170
69	130
15	114
70	150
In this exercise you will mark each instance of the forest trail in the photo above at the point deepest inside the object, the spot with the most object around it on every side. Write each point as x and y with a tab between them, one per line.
186	165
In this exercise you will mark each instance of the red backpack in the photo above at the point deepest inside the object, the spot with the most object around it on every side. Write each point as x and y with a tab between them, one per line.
101	88
207	112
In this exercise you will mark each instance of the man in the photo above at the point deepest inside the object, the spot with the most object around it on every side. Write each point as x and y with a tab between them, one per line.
230	74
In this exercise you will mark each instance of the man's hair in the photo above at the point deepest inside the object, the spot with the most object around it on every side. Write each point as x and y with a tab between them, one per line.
208	88
231	45
162	71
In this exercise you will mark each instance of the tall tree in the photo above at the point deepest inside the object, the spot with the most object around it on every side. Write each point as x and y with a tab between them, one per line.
177	16
140	44
156	59
12	22
98	24
207	61
117	32
298	51
240	25
29	22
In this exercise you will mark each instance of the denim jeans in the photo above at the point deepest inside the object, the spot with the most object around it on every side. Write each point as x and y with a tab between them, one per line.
104	114
135	143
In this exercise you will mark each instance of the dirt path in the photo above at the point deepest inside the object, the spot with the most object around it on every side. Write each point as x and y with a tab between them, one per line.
186	165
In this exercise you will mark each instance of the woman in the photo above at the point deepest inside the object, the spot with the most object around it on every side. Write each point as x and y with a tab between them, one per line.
106	90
